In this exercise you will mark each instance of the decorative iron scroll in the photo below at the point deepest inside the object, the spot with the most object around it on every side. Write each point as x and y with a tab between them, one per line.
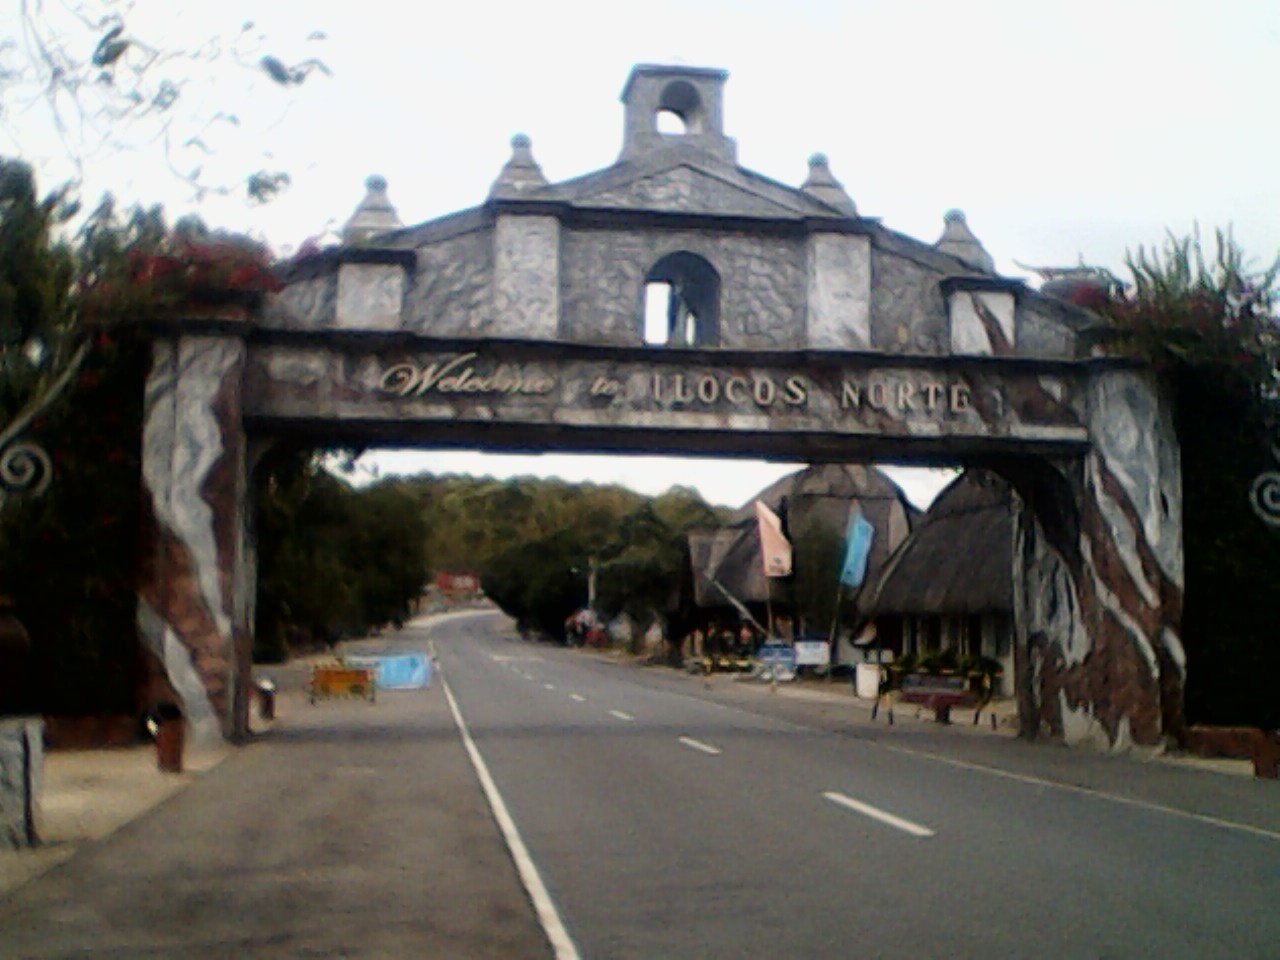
24	468
24	465
1264	495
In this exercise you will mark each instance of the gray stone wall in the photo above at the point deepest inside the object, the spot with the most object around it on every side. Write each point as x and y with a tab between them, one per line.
908	311
449	295
303	305
1042	332
526	278
762	284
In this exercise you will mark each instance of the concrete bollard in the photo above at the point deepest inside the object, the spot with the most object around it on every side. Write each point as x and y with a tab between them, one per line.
266	693
170	733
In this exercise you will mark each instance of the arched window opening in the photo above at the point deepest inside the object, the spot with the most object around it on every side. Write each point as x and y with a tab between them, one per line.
657	301
679	109
671	123
682	302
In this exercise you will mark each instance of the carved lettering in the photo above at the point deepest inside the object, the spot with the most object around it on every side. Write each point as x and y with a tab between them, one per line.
850	395
456	375
905	392
680	394
797	392
933	394
605	387
877	395
893	393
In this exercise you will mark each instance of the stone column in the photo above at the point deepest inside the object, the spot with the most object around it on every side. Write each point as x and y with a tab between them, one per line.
526	277
193	604
1099	581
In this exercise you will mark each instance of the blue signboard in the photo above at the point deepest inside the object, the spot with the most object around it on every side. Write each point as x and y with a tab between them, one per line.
404	671
777	655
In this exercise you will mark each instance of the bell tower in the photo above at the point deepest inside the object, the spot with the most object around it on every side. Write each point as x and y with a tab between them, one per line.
692	96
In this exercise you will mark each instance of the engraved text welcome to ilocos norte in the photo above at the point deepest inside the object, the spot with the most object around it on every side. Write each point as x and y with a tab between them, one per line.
466	375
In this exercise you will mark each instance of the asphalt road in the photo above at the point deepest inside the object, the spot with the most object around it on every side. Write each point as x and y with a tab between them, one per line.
668	820
651	816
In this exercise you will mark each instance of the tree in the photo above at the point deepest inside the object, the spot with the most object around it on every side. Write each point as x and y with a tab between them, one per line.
74	388
332	560
92	74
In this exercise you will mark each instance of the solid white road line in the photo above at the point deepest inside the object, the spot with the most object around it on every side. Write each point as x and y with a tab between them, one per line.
1090	792
620	715
578	697
875	813
548	916
699	745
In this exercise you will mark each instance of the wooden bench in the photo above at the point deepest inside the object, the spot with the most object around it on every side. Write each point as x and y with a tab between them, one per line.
938	692
338	680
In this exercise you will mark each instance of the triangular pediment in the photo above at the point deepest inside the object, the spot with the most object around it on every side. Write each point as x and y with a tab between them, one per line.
691	187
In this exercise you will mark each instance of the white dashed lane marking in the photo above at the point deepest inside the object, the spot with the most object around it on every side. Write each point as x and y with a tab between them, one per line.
620	715
699	745
875	813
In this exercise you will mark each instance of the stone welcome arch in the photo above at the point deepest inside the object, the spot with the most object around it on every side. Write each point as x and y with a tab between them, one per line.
513	325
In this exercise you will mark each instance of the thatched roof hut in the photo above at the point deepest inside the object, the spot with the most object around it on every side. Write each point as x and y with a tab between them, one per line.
959	557
824	495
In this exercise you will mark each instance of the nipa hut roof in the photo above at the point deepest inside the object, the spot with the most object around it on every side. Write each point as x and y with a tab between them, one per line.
959	557
822	494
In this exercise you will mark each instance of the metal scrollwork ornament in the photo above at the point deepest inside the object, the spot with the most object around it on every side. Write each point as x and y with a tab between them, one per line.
24	468
1264	495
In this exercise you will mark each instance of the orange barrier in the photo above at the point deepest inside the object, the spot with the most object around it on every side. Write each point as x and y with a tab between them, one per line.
338	680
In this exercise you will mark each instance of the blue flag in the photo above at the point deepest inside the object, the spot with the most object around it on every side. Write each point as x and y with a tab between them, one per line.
857	550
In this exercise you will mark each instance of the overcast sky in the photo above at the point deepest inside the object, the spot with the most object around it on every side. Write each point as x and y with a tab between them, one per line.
1065	130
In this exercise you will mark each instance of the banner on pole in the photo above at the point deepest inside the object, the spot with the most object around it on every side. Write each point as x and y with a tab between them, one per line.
857	550
775	550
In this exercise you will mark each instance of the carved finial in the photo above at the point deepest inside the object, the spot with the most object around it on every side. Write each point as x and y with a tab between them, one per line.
958	240
824	187
521	173
374	215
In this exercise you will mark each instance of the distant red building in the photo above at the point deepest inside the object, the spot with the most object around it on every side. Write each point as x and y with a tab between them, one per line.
458	586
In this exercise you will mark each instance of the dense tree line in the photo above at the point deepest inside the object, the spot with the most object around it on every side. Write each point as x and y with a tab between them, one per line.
536	542
332	560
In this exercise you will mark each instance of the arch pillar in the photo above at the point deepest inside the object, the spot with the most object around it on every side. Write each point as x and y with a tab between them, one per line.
1098	577
196	581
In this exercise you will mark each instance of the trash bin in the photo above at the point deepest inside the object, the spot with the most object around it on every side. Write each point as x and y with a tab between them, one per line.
170	732
867	681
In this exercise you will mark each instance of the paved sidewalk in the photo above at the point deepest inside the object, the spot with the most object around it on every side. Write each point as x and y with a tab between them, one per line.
89	794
